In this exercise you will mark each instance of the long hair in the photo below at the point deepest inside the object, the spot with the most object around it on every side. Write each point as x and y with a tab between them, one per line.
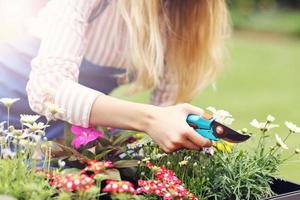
183	37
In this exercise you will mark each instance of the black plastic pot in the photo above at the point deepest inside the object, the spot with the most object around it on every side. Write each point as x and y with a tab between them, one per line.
285	190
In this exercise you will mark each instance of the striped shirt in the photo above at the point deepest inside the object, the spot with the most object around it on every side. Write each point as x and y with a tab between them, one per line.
69	30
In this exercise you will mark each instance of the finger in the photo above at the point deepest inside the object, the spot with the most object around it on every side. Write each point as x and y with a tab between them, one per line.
169	147
190	145
198	139
190	109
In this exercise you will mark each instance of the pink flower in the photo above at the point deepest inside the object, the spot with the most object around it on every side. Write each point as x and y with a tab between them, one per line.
84	135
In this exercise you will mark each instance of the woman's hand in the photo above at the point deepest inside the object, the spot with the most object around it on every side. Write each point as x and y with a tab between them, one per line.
165	125
169	129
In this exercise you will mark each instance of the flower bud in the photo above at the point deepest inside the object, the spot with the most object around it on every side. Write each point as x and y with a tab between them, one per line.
244	130
61	163
270	118
11	128
297	151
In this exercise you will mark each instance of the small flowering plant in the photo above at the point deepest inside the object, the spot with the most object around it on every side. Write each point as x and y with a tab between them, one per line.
229	171
129	165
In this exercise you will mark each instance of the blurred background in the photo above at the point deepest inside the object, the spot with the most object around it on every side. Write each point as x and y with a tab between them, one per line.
263	69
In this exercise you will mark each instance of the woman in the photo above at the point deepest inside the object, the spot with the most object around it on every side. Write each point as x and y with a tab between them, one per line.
173	47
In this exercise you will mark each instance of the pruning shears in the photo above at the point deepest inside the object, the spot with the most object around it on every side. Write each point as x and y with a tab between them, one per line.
208	127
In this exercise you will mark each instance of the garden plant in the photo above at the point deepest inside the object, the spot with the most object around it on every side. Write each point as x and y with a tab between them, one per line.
108	163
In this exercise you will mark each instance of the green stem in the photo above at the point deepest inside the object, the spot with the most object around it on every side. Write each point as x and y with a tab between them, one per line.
49	159
46	126
287	136
261	139
289	157
8	112
45	160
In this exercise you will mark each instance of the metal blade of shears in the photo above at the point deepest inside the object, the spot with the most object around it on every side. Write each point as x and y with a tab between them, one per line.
228	134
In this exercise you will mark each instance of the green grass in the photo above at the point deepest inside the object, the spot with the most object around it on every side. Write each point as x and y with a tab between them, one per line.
262	78
271	20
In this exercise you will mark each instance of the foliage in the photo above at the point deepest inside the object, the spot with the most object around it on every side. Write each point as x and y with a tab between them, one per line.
21	182
222	172
228	174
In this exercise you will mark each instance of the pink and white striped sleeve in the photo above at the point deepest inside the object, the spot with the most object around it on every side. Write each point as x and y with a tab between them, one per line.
55	70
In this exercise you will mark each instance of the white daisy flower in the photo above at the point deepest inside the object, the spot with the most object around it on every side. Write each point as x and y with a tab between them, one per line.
54	109
221	116
8	102
297	151
30	119
8	153
211	109
263	125
23	142
280	142
36	126
160	155
292	127
183	162
2	126
270	118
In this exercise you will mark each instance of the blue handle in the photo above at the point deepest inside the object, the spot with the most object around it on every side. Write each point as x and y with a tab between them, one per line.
202	126
207	134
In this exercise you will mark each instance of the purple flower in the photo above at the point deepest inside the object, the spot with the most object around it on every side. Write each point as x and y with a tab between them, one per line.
84	135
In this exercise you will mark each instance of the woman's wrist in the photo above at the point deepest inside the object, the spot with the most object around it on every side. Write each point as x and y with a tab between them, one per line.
112	112
147	117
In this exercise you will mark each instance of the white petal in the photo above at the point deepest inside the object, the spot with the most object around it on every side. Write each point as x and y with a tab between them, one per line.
228	121
291	126
270	118
255	124
211	109
280	142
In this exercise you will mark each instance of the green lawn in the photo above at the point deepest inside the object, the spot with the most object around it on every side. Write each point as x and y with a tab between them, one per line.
262	78
280	21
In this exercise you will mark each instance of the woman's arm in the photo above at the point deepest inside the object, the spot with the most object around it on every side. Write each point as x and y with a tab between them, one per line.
165	125
55	70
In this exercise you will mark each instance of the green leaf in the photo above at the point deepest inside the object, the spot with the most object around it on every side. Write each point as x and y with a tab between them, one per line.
122	138
103	154
71	151
125	163
100	148
112	174
104	142
88	154
71	170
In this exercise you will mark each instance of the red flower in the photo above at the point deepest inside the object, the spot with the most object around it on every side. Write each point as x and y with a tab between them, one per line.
73	182
119	187
97	166
70	182
54	179
165	185
149	165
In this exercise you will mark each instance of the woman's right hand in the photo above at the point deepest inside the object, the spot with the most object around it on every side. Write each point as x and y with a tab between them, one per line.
169	129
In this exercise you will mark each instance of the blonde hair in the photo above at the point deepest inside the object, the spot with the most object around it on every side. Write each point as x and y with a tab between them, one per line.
183	37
